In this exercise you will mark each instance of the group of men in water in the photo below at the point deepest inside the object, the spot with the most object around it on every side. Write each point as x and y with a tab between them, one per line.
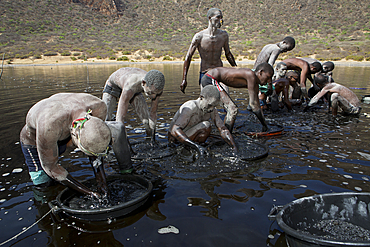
85	121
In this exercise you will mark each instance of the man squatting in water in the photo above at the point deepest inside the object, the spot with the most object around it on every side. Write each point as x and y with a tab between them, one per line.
209	43
191	125
127	85
65	120
340	96
240	78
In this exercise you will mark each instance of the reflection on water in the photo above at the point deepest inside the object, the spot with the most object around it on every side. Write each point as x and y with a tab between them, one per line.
212	202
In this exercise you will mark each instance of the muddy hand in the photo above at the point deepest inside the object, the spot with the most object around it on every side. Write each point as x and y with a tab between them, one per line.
183	86
202	151
95	195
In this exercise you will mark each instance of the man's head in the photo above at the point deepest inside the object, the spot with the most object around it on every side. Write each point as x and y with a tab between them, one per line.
321	80
91	135
264	72
209	98
153	84
280	70
214	16
292	76
315	67
327	67
287	44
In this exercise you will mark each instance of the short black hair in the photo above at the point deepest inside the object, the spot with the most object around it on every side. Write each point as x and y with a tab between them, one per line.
329	64
290	40
321	79
265	67
317	65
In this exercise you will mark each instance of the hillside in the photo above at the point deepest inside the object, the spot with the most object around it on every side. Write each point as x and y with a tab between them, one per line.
328	29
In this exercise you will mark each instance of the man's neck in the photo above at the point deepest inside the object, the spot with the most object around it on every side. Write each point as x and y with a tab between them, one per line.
212	30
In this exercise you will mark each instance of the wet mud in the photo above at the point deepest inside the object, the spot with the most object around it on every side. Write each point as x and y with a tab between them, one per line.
120	191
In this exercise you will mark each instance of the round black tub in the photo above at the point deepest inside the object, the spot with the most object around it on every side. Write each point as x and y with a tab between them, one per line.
335	219
61	206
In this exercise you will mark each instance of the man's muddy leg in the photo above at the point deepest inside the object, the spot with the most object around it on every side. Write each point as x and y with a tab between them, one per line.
111	103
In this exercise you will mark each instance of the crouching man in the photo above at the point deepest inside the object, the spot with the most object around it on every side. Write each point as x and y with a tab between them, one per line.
340	96
191	124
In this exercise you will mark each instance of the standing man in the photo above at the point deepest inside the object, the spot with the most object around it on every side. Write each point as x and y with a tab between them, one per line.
127	85
209	44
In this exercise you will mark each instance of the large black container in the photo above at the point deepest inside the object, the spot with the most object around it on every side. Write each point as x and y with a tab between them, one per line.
296	217
61	209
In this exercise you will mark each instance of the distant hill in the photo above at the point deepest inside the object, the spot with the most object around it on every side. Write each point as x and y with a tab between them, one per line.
329	29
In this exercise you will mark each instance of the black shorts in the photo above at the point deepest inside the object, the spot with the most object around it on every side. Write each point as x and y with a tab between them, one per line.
209	80
112	90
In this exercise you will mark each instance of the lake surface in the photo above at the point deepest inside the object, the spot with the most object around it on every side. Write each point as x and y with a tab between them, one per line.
212	202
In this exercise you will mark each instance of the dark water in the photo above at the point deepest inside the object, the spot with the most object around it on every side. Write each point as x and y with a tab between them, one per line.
211	202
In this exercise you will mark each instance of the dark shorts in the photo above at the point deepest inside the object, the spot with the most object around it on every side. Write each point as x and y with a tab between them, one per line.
112	90
32	157
209	80
201	74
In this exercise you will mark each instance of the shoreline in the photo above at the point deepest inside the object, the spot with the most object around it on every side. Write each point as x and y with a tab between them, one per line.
66	61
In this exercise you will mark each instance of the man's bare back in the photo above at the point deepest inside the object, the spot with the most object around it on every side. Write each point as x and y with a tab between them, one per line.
127	85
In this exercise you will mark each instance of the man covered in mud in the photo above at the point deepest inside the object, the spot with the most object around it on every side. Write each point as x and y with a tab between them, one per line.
269	54
191	124
127	85
240	78
340	97
305	69
209	44
65	120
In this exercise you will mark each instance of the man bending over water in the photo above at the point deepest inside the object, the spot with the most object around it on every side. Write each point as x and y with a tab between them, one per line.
341	96
127	85
305	69
240	78
191	125
209	44
64	120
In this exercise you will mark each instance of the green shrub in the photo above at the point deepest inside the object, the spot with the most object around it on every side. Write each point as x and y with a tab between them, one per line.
76	54
99	57
123	58
50	53
73	58
167	58
355	57
112	58
65	53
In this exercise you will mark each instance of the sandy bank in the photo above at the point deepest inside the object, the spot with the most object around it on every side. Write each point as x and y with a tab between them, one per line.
66	60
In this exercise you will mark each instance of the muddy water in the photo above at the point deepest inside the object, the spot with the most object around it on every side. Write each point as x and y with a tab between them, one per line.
211	202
